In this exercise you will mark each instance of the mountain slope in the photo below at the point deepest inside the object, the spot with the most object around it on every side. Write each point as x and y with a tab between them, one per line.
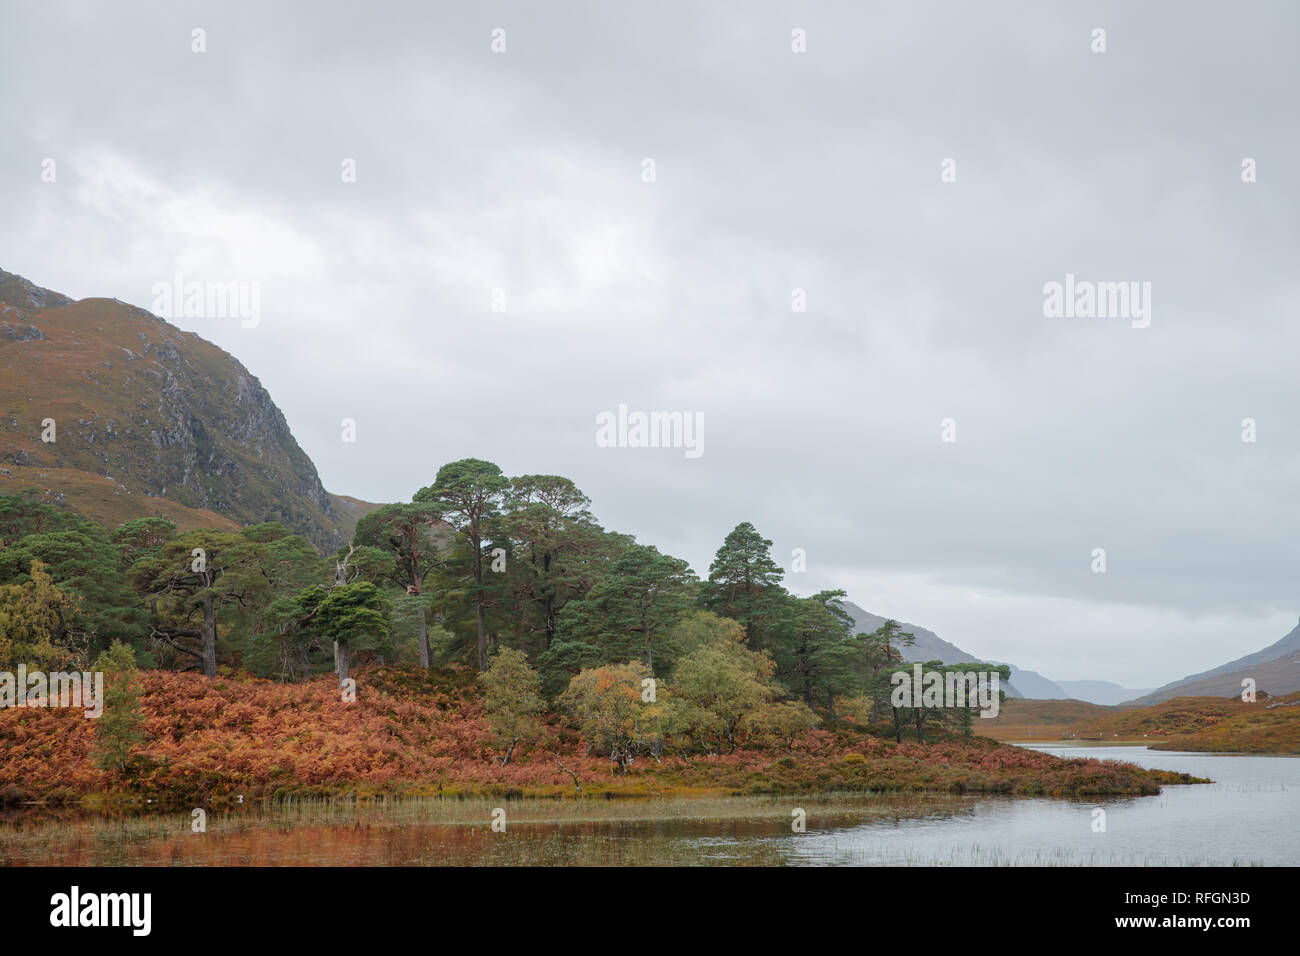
930	646
149	420
1034	685
1275	670
1225	725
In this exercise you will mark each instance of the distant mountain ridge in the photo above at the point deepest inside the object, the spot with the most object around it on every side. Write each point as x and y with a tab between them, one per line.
1100	691
149	420
1028	684
931	647
1275	670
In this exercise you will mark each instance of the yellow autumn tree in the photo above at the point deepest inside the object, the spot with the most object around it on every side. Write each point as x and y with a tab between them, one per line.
611	708
513	698
35	622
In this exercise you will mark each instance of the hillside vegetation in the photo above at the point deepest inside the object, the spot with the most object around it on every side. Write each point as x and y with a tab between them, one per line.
219	743
1222	724
258	635
1215	724
148	421
1277	676
1024	720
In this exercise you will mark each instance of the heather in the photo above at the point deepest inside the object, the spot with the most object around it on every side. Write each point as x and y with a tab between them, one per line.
219	743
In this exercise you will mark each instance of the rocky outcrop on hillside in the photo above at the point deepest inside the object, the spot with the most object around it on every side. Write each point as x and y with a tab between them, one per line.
160	411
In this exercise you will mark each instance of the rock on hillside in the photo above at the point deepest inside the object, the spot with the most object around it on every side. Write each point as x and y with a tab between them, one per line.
159	414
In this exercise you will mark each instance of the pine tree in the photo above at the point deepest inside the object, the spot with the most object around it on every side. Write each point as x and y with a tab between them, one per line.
468	496
745	585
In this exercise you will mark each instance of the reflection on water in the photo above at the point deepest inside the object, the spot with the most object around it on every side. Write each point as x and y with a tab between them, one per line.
1247	816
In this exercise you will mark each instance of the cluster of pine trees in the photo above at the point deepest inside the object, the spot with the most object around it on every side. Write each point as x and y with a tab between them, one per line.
513	576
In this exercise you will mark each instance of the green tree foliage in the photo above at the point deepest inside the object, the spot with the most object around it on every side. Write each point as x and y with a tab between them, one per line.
629	613
259	636
400	546
37	623
883	649
745	584
563	660
719	690
468	494
821	658
782	723
119	730
141	538
475	563
555	553
697	628
199	579
354	617
513	700
938	708
21	515
82	559
348	617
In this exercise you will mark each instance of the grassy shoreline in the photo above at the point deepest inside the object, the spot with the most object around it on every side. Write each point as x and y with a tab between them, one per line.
459	832
1157	746
477	810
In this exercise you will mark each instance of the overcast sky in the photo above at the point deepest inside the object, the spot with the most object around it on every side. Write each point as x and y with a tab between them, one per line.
774	170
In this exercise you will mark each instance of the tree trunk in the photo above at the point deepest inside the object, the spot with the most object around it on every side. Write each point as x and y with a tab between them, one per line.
343	660
476	542
209	658
424	641
807	674
576	784
304	662
550	623
482	636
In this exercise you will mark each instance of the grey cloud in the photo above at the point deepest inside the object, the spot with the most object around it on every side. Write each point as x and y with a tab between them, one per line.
775	171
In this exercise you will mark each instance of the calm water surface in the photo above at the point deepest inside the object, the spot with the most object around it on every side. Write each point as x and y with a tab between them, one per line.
1248	816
